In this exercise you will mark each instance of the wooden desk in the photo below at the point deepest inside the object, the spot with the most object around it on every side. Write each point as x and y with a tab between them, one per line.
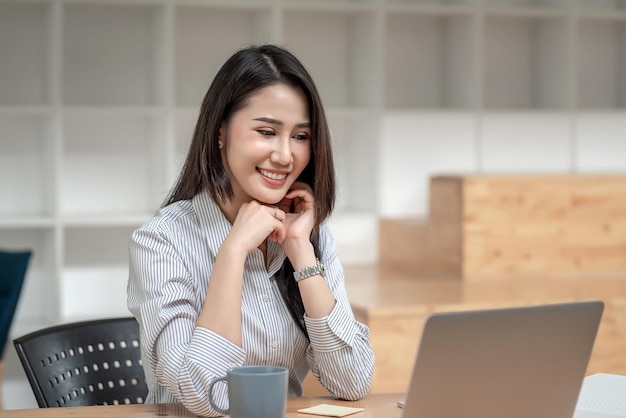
376	406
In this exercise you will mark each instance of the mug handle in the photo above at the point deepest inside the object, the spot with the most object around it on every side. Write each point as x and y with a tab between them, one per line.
217	408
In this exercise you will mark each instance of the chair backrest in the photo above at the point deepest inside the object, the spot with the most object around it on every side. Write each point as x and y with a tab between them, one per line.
84	363
12	271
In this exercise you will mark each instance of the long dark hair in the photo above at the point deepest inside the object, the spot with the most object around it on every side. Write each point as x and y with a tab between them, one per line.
242	75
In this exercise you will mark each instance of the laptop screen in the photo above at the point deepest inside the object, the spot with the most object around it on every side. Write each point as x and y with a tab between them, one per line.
515	362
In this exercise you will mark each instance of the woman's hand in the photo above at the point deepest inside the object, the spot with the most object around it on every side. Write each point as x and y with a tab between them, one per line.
254	223
299	209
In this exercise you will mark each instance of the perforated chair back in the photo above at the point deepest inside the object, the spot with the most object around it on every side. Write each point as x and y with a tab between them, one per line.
84	363
13	267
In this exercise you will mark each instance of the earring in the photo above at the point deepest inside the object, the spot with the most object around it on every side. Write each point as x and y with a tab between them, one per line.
220	144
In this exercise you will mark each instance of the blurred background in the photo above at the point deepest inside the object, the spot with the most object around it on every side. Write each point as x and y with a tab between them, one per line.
98	100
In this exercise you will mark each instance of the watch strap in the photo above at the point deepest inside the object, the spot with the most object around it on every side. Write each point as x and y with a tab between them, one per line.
314	270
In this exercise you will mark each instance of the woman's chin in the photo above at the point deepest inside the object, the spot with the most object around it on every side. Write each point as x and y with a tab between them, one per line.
270	200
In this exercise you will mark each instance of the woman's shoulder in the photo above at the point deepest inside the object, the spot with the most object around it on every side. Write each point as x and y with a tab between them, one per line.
173	216
177	210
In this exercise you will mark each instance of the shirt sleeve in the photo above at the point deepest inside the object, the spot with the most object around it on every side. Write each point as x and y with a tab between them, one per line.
340	354
162	295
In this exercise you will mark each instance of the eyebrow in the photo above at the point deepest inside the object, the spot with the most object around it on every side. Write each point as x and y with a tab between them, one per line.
280	123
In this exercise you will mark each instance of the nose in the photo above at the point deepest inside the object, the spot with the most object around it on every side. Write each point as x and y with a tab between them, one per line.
282	151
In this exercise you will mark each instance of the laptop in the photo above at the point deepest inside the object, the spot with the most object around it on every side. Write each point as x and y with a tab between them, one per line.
523	362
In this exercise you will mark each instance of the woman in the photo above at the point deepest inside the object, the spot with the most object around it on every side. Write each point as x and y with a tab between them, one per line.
239	267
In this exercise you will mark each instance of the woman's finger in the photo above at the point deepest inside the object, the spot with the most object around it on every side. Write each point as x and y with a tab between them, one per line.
277	212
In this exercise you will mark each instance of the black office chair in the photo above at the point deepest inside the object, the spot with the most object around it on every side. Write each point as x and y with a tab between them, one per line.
84	363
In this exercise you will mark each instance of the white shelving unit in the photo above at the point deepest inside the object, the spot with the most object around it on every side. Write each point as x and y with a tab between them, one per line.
98	100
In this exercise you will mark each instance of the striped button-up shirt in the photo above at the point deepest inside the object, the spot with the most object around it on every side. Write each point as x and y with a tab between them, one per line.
171	259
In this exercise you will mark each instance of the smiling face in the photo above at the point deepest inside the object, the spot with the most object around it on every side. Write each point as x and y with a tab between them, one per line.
267	144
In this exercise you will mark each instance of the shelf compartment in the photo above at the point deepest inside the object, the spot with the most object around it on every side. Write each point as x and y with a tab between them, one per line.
95	263
27	177
430	61
439	5
355	151
197	66
538	142
226	4
344	69
601	5
328	5
525	5
24	50
600	145
112	165
107	245
111	54
526	63
38	301
602	64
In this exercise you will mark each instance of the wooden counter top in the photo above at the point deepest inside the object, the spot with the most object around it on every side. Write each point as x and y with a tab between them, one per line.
376	406
394	304
377	292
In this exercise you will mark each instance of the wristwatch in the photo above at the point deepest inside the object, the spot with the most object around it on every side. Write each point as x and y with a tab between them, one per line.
305	273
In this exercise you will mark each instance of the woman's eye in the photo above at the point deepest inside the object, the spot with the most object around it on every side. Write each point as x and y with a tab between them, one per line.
265	132
301	137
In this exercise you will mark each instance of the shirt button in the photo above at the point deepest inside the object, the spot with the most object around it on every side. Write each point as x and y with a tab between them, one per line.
274	345
266	298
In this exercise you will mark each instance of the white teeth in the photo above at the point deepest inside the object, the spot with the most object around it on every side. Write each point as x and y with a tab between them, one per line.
273	176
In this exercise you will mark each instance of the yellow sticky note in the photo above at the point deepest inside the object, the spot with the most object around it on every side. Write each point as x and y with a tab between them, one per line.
330	410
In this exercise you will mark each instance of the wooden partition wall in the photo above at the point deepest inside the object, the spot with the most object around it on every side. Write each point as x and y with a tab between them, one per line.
501	227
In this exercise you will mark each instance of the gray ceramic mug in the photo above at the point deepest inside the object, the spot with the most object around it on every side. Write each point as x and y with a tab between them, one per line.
254	392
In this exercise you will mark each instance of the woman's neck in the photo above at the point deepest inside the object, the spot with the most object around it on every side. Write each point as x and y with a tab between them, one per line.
230	209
